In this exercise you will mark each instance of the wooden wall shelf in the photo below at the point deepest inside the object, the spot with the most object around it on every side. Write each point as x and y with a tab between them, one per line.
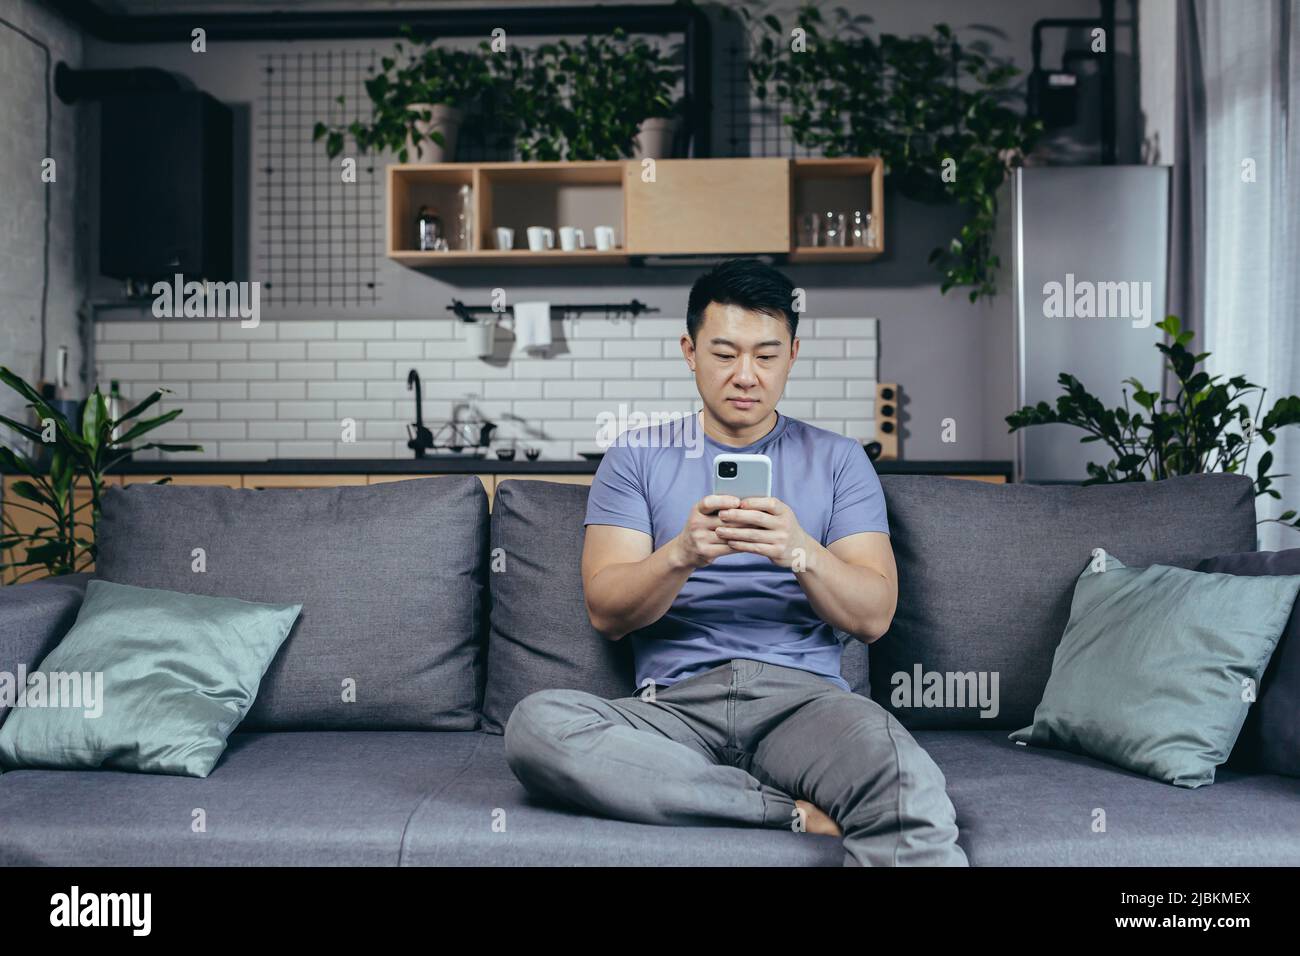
693	207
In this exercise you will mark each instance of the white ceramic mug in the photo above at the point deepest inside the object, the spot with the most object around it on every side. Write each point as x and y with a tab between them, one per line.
541	238
482	335
572	238
505	237
605	237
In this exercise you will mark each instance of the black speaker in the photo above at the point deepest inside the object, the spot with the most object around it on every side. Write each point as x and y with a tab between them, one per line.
166	168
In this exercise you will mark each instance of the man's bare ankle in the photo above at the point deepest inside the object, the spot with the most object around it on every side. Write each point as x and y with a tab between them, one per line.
815	821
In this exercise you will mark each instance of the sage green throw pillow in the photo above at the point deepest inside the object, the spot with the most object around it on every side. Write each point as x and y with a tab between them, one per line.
1159	665
146	680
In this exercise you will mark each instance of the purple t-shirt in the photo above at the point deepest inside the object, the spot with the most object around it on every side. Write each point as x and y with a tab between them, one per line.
740	605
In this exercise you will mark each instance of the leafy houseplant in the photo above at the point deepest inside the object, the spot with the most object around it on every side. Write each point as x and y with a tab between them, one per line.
416	87
938	114
585	100
59	545
1183	435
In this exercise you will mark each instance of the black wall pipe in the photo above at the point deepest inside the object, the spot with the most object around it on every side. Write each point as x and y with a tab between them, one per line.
71	85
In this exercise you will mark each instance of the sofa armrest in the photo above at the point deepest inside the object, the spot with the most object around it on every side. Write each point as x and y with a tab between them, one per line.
34	617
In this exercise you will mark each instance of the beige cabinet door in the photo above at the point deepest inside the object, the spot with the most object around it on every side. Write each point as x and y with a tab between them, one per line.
724	206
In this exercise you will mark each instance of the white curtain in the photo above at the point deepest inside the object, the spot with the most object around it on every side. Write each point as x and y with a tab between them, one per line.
1251	57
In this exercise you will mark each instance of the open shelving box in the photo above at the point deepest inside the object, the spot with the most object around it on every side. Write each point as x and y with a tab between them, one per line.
692	207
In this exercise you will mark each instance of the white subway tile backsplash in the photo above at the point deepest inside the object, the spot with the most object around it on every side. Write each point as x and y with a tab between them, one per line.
640	388
336	389
368	330
218	350
277	351
284	388
287	430
132	331
844	368
365	370
189	330
247	450
309	371
151	351
336	350
312	411
846	328
248	411
563	389
193	371
233	330
423	329
301	330
219	390
248	370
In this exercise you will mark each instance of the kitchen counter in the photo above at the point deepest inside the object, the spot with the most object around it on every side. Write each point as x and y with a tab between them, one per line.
482	466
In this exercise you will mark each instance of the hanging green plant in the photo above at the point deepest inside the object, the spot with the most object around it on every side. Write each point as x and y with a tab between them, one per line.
585	100
417	77
938	113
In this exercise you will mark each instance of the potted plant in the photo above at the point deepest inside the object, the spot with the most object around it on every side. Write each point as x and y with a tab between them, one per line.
1187	434
938	113
418	101
604	97
78	457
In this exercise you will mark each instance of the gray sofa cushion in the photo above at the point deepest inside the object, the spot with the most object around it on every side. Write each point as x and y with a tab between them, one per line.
539	635
302	799
390	578
986	573
1022	806
34	617
454	827
1270	738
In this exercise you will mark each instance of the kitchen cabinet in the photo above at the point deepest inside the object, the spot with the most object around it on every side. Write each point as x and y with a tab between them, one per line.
21	520
690	207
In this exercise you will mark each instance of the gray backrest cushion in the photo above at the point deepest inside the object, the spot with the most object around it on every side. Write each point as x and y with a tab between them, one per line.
390	577
539	635
1270	738
986	573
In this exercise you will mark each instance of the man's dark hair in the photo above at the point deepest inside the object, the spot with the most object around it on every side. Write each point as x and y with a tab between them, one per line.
747	283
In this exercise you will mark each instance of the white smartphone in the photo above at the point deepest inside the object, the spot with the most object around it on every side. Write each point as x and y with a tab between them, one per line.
745	476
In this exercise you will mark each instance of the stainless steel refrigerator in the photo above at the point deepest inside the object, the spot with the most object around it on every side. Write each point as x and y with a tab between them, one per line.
1083	252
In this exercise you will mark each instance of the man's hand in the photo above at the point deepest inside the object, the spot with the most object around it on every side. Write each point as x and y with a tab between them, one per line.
698	544
766	526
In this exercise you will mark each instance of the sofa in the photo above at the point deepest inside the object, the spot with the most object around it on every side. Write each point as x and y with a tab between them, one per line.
442	615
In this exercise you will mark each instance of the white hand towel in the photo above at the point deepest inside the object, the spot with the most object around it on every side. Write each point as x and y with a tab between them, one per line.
532	326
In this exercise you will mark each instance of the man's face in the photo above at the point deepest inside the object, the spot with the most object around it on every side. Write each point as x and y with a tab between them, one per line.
741	361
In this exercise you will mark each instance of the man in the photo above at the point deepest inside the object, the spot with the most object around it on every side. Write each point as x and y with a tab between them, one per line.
732	608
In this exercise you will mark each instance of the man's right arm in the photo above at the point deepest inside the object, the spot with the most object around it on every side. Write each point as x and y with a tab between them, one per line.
628	585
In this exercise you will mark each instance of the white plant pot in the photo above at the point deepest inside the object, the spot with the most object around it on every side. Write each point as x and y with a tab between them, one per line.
446	120
654	139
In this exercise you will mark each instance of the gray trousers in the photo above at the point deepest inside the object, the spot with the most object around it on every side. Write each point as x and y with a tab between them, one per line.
737	744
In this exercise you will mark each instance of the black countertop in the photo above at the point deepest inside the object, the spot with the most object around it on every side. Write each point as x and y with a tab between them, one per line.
418	466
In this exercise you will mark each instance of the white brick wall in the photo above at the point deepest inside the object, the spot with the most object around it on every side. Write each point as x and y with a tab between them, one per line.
282	390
